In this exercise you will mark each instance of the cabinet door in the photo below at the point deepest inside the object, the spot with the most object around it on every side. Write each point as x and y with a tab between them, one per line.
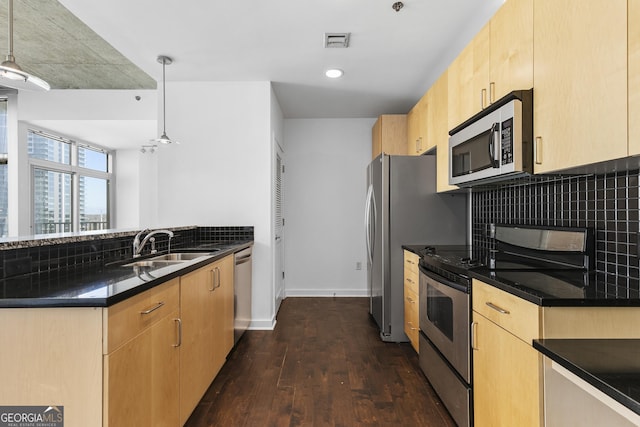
412	131
223	311
460	88
506	379
634	77
197	310
511	65
580	80
142	378
165	371
438	132
128	379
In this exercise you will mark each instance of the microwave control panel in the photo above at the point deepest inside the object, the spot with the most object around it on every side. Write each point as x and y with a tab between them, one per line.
506	142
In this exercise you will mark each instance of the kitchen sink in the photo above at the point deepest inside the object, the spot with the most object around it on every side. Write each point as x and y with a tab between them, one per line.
152	263
180	256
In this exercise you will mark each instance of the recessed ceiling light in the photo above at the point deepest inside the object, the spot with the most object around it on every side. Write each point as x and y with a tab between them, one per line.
334	73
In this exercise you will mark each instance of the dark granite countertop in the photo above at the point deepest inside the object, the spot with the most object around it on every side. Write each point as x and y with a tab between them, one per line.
414	248
560	288
610	365
101	287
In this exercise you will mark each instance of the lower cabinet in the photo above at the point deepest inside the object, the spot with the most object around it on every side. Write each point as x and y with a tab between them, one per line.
411	311
145	361
141	368
141	378
508	385
206	299
506	380
505	365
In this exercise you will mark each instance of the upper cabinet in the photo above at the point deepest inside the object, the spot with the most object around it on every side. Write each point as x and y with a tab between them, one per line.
439	130
418	128
580	82
497	61
389	135
634	77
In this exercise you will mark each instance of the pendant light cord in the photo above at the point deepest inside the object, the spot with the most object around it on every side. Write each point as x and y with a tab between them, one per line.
164	97
10	36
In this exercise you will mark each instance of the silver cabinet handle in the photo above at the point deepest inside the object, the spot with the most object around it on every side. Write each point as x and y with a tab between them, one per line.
179	322
483	98
496	308
474	334
213	280
538	150
218	281
411	326
152	309
492	92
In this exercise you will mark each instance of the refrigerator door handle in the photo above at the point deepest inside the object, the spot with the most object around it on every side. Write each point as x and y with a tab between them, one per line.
367	223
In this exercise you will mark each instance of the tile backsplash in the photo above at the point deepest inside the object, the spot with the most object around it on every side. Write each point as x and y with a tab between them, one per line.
607	203
90	252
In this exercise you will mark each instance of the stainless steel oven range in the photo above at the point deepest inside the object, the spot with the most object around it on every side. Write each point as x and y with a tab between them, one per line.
445	319
548	260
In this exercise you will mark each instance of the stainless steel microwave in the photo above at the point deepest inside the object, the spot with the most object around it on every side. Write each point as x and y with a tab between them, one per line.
495	144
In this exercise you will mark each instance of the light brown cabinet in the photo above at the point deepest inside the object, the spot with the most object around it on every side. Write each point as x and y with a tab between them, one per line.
389	135
141	364
506	367
580	79
505	371
207	331
411	292
439	131
634	76
418	140
141	367
497	61
137	362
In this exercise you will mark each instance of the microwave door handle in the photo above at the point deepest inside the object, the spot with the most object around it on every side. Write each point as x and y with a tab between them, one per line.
495	163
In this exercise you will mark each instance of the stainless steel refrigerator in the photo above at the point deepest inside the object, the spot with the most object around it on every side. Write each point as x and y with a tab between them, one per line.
403	208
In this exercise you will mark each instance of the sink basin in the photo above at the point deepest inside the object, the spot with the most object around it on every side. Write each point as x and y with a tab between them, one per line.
179	256
152	263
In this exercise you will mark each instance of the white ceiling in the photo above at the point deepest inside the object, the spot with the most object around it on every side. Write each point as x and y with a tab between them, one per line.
392	59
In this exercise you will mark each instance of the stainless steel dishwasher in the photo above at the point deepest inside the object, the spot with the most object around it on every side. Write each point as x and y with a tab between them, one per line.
242	292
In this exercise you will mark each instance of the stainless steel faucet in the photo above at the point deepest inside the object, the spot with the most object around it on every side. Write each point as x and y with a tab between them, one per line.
139	245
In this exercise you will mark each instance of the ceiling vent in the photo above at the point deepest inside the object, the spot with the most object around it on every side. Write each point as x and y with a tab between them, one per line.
340	40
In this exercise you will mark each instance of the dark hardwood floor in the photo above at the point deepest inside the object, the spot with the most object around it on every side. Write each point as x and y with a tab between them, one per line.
323	365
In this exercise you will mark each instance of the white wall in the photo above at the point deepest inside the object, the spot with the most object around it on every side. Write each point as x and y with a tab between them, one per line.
220	174
135	200
325	184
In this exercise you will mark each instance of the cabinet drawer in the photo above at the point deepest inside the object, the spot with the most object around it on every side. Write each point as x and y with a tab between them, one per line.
128	318
411	318
411	260
514	314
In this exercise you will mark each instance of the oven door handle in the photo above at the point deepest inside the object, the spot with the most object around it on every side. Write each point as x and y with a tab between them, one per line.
438	278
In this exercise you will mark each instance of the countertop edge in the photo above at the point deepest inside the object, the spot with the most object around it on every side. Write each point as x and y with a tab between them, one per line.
47	302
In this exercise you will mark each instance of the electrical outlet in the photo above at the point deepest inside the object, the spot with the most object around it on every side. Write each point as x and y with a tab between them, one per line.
358	265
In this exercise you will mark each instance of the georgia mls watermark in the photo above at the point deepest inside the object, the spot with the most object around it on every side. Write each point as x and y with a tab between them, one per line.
31	416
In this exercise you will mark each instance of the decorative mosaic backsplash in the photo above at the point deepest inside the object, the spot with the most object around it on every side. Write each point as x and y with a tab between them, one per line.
606	203
93	251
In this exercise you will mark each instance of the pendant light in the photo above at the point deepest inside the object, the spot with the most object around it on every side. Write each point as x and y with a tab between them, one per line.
164	139
11	75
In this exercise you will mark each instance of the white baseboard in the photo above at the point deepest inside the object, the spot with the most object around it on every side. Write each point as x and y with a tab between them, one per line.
262	325
326	292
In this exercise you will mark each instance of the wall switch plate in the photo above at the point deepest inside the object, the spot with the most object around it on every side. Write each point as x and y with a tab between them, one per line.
358	265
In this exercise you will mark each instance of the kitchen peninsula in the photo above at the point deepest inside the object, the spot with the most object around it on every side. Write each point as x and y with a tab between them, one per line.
116	340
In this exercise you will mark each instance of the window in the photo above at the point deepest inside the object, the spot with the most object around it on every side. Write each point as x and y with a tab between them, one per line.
4	183
70	185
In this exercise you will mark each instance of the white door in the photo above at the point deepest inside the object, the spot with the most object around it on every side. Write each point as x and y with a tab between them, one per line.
279	222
